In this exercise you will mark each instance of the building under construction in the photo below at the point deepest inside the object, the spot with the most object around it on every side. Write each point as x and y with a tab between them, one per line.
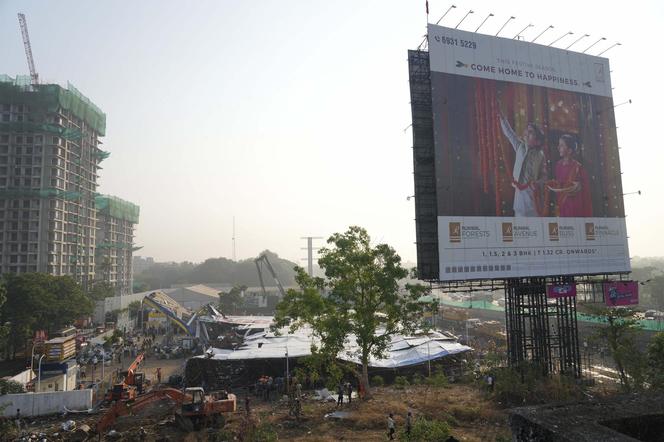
50	155
116	219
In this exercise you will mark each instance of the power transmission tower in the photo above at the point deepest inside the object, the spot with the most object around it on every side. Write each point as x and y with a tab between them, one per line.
310	252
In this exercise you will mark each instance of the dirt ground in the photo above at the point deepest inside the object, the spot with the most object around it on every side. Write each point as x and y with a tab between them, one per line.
471	417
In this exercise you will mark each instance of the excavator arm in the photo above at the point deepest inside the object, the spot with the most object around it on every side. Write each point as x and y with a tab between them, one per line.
122	408
131	371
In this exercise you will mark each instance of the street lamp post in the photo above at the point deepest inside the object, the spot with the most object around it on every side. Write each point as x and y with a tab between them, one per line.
32	360
39	374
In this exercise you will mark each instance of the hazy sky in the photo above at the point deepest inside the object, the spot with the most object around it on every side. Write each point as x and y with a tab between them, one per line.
290	115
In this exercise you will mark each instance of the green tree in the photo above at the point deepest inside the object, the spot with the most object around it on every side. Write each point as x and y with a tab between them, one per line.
134	309
618	333
38	301
101	290
362	298
656	361
230	301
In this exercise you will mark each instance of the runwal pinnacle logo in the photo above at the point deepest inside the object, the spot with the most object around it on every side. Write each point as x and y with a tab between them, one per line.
590	231
508	232
553	232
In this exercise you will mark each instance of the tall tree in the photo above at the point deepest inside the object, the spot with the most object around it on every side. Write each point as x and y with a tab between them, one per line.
363	299
40	301
230	301
618	334
656	361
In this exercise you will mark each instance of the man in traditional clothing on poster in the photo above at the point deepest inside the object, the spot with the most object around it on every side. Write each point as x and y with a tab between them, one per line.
529	173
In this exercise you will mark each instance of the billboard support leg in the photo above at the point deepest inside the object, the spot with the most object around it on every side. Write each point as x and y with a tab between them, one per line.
541	333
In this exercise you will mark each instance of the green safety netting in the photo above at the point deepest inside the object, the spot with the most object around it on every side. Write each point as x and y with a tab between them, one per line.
101	154
40	193
117	208
51	97
27	126
114	245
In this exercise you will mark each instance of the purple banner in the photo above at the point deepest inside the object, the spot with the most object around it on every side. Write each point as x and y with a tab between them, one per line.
621	293
561	290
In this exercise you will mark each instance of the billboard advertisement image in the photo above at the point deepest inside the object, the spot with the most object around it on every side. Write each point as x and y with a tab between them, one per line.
528	178
621	293
565	290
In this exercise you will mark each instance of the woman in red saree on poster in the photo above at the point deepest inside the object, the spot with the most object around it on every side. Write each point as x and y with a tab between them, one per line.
571	185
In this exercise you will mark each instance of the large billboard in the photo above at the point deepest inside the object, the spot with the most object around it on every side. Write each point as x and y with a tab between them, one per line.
527	167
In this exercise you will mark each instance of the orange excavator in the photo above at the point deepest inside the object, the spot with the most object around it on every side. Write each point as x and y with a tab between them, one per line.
196	409
131	384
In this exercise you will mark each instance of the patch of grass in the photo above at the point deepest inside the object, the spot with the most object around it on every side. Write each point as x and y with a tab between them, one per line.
427	430
401	382
465	413
377	381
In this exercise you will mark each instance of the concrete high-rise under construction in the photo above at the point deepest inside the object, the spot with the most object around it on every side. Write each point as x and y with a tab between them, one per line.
50	155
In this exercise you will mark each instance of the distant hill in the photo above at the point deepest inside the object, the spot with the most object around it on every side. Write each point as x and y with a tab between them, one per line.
214	271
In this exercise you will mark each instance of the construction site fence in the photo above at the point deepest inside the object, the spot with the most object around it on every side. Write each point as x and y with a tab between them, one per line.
650	325
53	98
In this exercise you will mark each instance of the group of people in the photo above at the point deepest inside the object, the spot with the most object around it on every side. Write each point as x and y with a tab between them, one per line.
342	388
570	184
391	425
265	385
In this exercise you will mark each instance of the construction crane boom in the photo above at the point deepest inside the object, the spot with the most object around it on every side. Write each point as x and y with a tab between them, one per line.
28	49
263	257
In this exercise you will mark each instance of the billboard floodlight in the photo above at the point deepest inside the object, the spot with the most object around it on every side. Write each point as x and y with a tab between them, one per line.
578	40
504	24
446	12
561	37
542	33
602	38
530	25
610	47
484	21
464	17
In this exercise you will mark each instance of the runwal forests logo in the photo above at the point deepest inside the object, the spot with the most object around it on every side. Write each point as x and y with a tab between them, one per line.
590	231
455	232
553	232
508	232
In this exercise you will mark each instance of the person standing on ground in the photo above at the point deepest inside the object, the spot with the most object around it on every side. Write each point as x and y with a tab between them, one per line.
340	395
18	420
490	381
246	404
349	390
159	375
409	423
390	427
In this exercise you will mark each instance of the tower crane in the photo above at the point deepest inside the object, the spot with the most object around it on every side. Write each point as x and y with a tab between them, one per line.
263	259
34	78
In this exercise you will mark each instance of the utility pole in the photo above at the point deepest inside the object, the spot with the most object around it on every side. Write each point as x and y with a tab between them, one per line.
234	239
310	252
